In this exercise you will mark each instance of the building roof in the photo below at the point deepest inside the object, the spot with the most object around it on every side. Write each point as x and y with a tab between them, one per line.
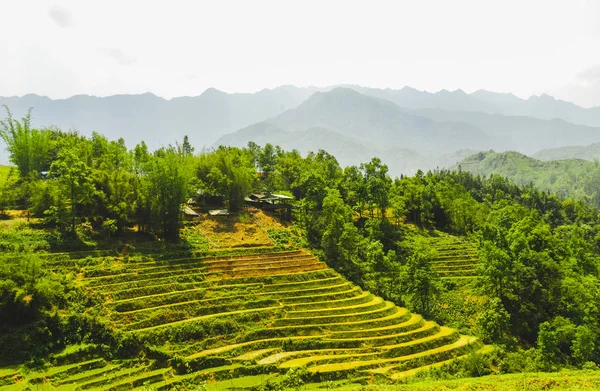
268	197
282	197
219	212
189	211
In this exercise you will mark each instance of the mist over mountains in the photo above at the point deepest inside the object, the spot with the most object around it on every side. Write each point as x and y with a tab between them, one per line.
407	128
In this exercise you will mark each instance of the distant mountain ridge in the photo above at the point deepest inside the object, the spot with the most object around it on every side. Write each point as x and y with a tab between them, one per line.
542	107
524	134
587	152
356	127
433	125
156	120
382	127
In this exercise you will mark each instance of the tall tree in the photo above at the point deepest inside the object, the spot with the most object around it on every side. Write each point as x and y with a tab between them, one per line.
186	147
420	283
166	187
29	148
228	172
378	184
74	174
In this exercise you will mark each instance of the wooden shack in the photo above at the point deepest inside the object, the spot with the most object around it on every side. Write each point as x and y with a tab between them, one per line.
278	203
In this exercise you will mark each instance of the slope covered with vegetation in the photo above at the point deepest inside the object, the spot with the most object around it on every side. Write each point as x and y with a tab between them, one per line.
569	178
100	271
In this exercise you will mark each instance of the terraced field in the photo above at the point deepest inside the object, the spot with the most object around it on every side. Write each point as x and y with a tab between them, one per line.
248	318
457	257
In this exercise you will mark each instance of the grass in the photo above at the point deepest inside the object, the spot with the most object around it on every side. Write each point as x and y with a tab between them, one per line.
412	372
237	231
240	382
414	321
175	285
205	317
362	305
207	292
82	377
226	348
388	309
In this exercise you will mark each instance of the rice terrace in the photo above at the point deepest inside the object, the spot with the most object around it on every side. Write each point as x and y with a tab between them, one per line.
237	316
242	317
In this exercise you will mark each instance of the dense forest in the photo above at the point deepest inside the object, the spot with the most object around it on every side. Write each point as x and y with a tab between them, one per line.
539	287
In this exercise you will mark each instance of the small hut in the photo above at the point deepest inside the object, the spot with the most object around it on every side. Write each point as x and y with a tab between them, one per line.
278	203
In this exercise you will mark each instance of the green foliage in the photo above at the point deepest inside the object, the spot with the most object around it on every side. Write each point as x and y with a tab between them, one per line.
165	188
561	342
419	284
8	179
22	238
227	172
494	322
74	175
29	148
281	237
377	183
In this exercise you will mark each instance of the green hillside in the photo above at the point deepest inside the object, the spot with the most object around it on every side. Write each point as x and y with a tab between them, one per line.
574	178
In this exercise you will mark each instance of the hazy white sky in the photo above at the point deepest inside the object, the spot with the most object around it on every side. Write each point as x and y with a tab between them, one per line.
174	48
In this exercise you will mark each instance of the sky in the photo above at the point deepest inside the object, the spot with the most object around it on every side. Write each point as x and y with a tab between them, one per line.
178	48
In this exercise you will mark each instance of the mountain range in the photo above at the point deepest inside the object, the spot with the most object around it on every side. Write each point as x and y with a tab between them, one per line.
406	139
407	128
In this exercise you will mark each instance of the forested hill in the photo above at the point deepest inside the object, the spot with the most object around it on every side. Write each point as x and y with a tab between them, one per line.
574	178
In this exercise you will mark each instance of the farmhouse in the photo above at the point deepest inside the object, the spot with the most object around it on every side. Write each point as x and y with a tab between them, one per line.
271	202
